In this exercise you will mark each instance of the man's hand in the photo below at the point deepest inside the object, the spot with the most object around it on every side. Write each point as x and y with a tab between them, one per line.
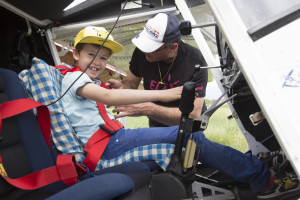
114	84
134	110
166	115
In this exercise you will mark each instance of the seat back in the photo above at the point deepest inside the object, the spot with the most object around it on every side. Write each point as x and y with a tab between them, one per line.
22	145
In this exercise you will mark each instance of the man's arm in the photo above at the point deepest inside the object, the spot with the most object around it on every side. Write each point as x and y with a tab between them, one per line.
131	81
166	115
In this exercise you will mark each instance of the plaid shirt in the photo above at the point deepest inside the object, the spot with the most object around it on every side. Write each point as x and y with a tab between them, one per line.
43	84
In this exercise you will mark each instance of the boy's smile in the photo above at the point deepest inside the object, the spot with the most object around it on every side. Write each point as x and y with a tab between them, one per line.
93	68
85	56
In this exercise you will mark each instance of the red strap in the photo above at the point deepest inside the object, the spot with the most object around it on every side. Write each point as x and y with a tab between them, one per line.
99	140
104	85
111	124
96	152
15	107
96	137
0	121
66	166
65	171
75	69
64	69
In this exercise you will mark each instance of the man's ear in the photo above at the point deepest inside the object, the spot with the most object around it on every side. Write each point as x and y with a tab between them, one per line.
174	48
75	54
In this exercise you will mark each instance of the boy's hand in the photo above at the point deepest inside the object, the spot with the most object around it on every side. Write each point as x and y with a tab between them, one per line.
114	84
171	94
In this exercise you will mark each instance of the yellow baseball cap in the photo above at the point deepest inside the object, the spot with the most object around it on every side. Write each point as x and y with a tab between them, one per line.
96	35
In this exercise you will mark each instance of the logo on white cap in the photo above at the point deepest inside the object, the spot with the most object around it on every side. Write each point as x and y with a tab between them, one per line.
152	31
156	26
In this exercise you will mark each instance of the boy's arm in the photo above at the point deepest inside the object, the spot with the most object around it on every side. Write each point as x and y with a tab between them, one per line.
127	96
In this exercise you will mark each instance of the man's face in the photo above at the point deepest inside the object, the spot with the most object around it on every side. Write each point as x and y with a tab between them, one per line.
162	53
87	54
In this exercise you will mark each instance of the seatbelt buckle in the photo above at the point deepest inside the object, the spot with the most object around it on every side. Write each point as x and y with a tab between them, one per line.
81	169
109	129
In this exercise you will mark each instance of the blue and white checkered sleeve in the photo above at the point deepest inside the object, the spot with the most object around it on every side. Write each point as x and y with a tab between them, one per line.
43	82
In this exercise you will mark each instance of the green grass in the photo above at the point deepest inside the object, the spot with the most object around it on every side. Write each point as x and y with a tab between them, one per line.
220	129
137	122
134	122
225	131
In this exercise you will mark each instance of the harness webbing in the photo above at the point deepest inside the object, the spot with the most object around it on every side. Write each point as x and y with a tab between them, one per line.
99	140
12	108
66	170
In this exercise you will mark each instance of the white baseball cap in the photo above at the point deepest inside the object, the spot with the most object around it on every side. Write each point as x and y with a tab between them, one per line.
161	28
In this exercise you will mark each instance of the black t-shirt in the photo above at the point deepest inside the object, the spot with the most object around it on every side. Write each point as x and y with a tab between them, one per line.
183	70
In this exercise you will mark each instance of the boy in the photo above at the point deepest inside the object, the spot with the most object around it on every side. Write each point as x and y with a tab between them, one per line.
80	105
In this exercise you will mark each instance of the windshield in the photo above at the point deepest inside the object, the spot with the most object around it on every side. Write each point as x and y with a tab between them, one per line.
202	15
254	12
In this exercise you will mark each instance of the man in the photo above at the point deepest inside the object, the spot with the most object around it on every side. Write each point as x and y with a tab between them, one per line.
163	61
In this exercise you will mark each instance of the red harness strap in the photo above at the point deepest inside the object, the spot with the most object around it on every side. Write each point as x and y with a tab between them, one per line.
66	170
12	108
99	140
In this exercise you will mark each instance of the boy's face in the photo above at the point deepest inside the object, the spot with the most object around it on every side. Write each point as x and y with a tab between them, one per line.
85	56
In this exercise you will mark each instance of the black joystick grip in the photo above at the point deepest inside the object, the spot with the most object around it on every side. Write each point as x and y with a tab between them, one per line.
185	28
187	98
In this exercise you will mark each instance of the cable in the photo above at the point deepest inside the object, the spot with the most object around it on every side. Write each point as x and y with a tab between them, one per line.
92	59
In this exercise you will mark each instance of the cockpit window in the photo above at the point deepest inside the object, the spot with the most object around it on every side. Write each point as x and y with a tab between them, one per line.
254	12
